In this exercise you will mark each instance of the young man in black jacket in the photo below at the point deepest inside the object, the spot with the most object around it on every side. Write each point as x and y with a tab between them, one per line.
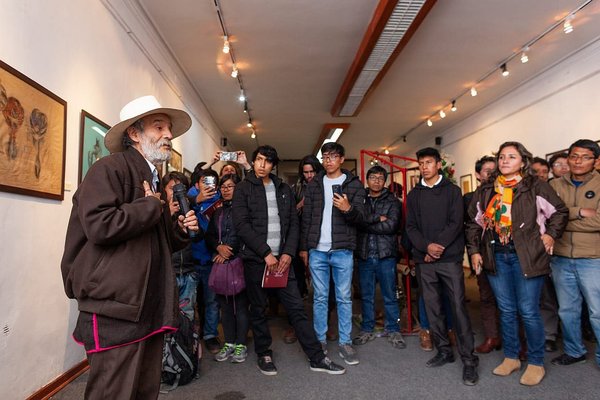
377	253
434	224
333	207
265	218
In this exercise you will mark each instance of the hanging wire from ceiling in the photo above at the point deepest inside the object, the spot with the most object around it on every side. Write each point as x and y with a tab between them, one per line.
235	71
566	23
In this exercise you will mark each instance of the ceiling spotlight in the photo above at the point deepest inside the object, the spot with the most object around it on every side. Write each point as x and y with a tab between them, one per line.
567	27
253	136
453	108
442	114
386	151
234	72
242	96
429	122
249	124
504	70
524	57
225	44
404	138
245	106
473	91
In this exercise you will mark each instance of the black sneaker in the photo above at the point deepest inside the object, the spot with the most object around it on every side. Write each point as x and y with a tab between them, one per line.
565	359
440	359
470	375
328	366
266	366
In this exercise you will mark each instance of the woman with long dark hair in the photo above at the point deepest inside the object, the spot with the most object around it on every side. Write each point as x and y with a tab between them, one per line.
514	219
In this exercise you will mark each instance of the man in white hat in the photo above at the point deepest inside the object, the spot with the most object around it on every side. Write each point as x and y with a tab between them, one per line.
117	258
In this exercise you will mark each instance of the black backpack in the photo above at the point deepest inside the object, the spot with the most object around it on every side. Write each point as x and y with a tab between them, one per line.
180	355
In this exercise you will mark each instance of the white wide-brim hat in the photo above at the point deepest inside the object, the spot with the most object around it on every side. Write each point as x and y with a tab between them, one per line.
139	108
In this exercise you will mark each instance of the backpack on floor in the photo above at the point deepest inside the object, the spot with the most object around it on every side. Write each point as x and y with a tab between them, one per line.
180	355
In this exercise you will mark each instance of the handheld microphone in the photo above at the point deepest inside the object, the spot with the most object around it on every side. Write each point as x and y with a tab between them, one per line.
179	194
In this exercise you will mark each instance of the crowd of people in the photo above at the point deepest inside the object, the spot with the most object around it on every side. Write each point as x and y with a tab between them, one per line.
533	245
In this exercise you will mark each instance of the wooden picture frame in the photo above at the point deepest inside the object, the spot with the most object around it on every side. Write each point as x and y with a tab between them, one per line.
466	183
91	142
176	162
188	174
33	129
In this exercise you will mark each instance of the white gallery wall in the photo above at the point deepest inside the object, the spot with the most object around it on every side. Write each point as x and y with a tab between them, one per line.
79	51
546	114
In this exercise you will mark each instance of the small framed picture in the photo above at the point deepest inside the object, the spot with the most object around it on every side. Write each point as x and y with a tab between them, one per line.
91	142
466	183
176	162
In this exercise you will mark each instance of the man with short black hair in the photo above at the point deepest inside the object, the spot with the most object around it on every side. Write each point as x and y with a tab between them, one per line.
329	222
434	224
576	261
541	168
377	252
559	165
266	222
484	167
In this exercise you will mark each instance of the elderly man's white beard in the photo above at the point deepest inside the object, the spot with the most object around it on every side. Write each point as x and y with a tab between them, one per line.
154	151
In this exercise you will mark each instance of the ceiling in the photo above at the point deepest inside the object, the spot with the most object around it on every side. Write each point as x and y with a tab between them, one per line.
293	56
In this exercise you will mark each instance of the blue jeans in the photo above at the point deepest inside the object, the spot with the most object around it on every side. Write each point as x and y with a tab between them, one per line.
341	263
187	284
517	296
211	307
384	270
574	277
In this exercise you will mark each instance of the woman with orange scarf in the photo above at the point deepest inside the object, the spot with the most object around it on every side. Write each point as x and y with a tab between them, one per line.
515	218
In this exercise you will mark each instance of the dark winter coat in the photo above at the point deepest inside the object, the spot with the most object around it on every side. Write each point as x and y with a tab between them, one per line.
435	215
228	235
343	225
386	232
536	209
249	211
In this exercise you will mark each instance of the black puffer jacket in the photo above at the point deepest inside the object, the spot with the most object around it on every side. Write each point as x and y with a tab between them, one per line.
435	215
536	209
228	235
343	226
249	211
386	232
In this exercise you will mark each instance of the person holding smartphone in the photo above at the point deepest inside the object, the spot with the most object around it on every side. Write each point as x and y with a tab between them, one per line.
328	239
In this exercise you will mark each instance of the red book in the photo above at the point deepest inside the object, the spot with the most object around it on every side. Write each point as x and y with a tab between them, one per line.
275	280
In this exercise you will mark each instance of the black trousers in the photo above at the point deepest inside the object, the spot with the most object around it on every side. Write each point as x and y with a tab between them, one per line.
234	317
128	372
432	277
549	309
291	301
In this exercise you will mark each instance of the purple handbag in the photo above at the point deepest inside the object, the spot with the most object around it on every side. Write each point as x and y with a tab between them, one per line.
227	278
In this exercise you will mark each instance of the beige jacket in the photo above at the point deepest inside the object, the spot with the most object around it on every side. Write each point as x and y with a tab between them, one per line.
581	238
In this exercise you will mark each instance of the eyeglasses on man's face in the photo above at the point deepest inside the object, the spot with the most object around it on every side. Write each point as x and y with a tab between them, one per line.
584	158
330	157
376	178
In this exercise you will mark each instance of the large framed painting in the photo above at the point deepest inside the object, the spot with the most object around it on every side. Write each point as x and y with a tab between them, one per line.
91	142
176	162
32	137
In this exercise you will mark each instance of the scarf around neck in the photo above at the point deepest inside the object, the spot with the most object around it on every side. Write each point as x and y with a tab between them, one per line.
498	212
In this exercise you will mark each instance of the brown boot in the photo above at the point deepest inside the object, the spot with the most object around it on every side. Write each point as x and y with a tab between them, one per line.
508	366
289	336
533	375
425	340
488	345
452	337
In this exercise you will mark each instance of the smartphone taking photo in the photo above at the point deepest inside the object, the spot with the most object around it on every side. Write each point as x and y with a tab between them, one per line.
228	156
337	189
